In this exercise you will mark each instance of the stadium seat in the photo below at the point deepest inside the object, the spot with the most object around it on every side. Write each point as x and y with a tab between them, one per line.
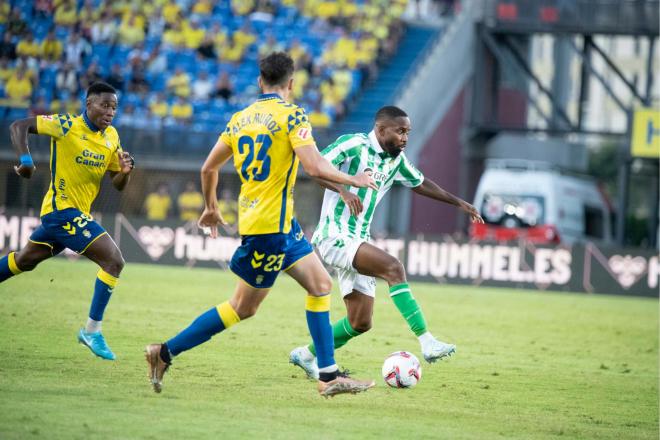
101	51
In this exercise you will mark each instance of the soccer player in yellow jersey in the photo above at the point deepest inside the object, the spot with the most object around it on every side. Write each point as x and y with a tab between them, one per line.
267	140
83	148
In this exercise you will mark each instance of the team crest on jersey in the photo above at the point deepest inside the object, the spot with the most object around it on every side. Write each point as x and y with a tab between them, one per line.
87	234
304	133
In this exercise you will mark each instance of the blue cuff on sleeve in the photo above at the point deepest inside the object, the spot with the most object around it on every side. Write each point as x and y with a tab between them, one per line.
26	160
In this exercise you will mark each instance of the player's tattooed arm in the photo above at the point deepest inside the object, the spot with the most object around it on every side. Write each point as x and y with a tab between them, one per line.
317	166
19	140
430	189
126	164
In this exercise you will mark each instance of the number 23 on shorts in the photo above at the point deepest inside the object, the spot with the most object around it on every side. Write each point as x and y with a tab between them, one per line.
273	262
80	221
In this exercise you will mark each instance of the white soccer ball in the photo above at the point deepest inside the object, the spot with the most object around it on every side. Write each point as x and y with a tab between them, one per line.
401	369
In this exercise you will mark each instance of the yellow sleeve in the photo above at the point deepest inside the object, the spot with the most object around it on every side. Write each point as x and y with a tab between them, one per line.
56	126
300	130
114	160
227	135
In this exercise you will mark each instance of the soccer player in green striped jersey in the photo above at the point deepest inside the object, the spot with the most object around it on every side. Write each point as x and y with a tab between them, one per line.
342	235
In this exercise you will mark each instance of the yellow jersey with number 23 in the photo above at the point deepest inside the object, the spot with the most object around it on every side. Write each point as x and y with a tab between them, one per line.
262	137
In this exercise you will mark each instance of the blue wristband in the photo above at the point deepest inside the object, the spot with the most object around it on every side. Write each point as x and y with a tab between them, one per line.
26	160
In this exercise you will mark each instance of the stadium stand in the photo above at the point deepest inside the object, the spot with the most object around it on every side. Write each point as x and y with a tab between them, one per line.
188	63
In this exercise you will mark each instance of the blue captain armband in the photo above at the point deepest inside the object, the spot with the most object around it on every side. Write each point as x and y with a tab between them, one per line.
26	160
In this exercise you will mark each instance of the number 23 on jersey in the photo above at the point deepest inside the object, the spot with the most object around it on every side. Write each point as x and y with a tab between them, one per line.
256	165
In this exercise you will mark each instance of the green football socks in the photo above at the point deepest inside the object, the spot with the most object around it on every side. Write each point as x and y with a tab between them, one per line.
342	332
408	307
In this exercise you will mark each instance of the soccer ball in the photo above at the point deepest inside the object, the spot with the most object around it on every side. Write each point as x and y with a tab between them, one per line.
401	369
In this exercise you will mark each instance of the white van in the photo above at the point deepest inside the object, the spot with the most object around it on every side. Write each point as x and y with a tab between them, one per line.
522	198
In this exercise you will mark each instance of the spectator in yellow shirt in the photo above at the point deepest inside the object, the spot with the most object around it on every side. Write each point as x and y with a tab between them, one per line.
174	36
66	14
88	14
219	37
179	83
349	9
202	7
134	12
331	97
159	106
193	34
51	48
244	36
4	12
130	32
242	7
231	52
300	80
343	81
269	46
318	118
327	9
157	204
19	89
171	12
181	111
55	106
297	51
28	47
190	203
228	207
73	105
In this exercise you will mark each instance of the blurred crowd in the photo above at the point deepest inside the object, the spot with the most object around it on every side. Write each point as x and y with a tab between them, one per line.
188	62
188	205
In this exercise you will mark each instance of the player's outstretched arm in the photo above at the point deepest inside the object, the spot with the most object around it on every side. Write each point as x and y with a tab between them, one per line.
351	200
211	217
126	164
430	189
317	166
19	140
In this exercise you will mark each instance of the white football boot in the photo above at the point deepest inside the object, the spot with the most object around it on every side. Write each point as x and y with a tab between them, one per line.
302	357
434	350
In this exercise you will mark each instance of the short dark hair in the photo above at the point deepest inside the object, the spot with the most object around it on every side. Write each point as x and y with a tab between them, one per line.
276	68
390	112
99	87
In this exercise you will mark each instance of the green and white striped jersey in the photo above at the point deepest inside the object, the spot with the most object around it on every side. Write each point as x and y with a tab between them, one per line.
353	154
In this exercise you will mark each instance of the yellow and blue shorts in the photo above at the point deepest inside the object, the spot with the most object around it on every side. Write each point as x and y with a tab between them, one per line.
68	228
260	258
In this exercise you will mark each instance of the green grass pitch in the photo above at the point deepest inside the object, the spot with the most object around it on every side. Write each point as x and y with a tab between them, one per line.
530	365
